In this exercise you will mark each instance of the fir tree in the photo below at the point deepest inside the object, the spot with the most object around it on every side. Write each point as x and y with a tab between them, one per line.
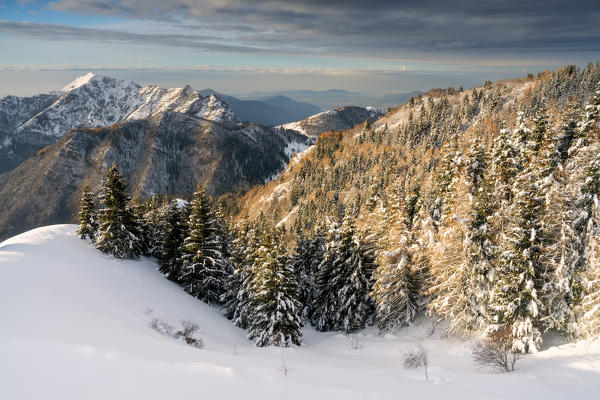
328	283
302	263
274	318
170	259
515	298
396	287
87	214
356	305
240	289
118	232
205	270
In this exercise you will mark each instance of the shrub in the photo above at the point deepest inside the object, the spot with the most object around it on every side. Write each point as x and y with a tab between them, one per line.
417	357
495	351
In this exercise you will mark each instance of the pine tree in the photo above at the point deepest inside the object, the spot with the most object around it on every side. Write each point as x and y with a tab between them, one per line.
118	233
155	216
515	297
302	263
589	309
205	270
328	283
274	318
170	259
356	305
396	286
239	288
87	214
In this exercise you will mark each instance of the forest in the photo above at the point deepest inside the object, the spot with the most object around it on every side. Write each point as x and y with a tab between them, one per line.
477	207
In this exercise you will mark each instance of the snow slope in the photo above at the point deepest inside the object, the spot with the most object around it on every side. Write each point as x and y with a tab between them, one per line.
75	324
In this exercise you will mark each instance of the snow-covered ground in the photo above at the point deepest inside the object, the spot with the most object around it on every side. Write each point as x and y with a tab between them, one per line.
75	324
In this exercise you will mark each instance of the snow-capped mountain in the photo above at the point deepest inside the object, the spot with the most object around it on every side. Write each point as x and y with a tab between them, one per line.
334	120
163	140
94	101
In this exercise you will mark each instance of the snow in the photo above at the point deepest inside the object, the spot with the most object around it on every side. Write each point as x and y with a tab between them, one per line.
75	324
78	82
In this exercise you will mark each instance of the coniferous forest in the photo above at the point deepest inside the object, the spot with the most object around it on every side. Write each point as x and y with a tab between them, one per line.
478	208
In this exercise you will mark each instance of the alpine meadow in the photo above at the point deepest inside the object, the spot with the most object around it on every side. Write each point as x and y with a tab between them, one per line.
241	199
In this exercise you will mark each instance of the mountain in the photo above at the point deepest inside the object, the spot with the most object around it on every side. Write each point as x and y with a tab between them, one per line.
169	152
77	324
335	98
274	110
163	140
345	172
93	101
334	120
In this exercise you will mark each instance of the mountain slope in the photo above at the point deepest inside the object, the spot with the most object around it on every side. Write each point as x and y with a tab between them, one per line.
401	150
169	153
334	120
77	324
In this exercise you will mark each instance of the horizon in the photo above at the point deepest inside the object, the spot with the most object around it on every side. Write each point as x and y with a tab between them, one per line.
239	47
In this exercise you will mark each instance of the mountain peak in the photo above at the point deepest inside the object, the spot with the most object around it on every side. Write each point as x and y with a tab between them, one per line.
78	82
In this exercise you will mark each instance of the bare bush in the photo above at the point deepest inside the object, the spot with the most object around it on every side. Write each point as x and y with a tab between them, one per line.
417	357
161	326
187	333
354	342
495	351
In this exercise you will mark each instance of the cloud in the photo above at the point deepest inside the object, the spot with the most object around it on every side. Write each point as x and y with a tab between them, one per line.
67	32
374	27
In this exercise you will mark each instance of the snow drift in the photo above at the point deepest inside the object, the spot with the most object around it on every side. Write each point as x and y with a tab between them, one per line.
75	324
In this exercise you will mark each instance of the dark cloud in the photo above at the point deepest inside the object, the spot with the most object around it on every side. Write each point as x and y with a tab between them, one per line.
66	32
372	27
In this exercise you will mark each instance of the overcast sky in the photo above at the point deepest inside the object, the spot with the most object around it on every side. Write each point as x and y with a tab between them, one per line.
241	46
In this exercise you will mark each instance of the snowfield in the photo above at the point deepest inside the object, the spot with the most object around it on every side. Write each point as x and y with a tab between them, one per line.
75	324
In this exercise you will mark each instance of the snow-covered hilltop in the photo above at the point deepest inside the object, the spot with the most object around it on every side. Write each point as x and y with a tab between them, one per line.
78	324
334	120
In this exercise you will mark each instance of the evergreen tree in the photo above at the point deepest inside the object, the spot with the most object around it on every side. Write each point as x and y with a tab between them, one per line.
274	318
396	286
589	309
302	263
170	259
87	214
515	297
205	269
328	283
239	288
356	306
155	216
118	232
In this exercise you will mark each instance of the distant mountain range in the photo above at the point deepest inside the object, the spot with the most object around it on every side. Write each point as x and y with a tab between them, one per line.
334	98
273	110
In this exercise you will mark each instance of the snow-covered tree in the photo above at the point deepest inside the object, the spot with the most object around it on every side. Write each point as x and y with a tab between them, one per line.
356	305
302	263
239	287
154	217
396	284
88	226
515	302
118	232
273	318
170	259
205	269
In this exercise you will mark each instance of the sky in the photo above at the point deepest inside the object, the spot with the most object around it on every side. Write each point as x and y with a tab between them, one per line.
241	46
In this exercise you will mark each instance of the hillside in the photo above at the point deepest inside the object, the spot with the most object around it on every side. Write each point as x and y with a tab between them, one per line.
170	153
78	323
346	168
